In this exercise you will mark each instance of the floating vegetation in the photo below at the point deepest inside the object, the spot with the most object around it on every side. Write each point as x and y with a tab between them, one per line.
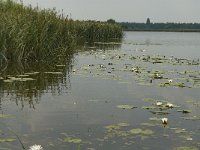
141	131
186	137
182	85
154	119
159	103
186	148
123	124
149	107
160	112
4	116
164	120
2	140
126	106
193	118
170	105
184	111
122	131
180	131
72	140
36	147
113	131
143	72
112	127
148	124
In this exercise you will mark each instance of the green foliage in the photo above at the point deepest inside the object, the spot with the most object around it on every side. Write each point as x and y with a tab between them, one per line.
33	34
186	27
148	21
112	21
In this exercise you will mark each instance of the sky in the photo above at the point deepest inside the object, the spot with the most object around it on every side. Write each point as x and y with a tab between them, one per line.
179	11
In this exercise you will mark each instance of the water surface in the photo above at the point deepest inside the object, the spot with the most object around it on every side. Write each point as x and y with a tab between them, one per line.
75	105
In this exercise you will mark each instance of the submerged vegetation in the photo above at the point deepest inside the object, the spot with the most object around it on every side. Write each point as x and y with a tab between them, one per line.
34	34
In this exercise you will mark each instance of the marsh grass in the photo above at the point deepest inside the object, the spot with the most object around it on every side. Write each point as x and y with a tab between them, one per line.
34	34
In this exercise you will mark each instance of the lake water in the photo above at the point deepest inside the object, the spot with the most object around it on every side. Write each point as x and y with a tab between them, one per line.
111	96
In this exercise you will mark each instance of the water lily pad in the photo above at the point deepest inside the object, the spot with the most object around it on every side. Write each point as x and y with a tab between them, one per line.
4	116
148	124
141	131
126	106
180	131
148	100
71	140
6	140
111	127
184	111
154	119
193	118
186	137
149	107
186	148
159	112
123	124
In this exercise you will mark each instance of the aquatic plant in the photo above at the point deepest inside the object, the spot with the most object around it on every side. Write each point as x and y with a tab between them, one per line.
164	120
169	105
36	147
34	34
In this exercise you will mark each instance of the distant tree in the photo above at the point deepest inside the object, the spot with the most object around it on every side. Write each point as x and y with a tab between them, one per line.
169	26
111	21
148	22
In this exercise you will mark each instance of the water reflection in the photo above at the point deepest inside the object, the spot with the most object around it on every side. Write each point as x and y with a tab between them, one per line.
24	84
148	42
3	63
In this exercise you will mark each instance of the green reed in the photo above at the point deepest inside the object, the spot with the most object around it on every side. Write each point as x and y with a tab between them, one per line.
34	34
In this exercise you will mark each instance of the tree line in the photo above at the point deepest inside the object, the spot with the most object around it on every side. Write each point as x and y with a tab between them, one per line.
148	26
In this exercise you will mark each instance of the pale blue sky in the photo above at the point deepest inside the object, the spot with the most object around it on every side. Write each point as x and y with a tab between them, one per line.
127	10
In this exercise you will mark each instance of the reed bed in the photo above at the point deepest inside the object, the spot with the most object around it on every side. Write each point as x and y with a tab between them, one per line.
33	34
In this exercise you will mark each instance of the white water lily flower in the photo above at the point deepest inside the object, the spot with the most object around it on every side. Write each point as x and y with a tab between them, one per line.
189	139
170	81
164	120
169	105
133	69
159	103
36	147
